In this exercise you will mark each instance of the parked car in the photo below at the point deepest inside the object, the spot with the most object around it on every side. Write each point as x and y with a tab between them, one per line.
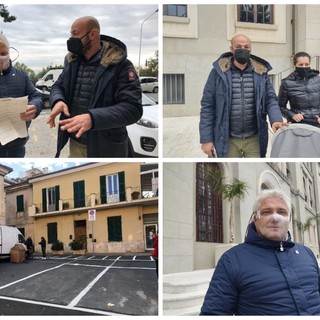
144	133
149	84
45	98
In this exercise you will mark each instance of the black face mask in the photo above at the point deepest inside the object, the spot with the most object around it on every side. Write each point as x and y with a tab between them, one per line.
303	72
75	45
241	55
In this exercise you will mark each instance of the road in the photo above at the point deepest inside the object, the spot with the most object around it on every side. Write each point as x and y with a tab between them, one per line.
43	140
69	285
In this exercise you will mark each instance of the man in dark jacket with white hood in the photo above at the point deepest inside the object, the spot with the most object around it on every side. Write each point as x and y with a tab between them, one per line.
268	274
237	98
97	95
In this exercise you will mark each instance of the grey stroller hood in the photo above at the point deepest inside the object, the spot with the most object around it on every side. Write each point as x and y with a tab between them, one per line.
296	141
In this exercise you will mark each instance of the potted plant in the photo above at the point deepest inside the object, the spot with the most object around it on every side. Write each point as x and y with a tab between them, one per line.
78	245
65	205
57	247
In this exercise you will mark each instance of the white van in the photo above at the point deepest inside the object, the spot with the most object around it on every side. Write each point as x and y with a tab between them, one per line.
47	81
9	237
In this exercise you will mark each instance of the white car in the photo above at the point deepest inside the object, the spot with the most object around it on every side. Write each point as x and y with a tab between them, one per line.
149	84
144	133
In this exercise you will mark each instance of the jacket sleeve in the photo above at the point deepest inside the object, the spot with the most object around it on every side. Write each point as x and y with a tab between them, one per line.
283	100
221	297
207	113
34	96
127	108
271	103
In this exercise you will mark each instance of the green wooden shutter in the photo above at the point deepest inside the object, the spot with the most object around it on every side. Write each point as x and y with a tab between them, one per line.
52	232
57	196
44	200
122	187
20	203
78	194
103	189
114	229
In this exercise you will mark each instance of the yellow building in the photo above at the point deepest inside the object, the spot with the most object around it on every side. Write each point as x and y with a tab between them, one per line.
113	206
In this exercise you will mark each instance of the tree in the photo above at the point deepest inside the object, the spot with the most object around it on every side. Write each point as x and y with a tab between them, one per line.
303	227
5	14
30	72
151	67
228	189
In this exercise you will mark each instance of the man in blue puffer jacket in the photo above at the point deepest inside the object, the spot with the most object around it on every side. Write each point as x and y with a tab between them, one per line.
268	274
15	83
236	100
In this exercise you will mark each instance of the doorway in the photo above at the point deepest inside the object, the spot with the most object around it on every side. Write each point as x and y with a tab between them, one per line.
149	231
80	230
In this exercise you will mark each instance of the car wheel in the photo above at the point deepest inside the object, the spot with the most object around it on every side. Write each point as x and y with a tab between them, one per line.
155	89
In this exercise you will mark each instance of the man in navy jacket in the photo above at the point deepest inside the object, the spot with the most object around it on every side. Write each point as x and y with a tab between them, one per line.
268	274
237	98
97	95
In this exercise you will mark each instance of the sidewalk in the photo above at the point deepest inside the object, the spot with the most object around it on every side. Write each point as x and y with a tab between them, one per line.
181	138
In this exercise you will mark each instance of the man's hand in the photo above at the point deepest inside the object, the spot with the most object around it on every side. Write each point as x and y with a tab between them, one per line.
209	149
29	114
298	117
79	124
59	107
279	125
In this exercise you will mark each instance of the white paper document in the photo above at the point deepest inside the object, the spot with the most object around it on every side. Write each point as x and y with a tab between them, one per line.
11	125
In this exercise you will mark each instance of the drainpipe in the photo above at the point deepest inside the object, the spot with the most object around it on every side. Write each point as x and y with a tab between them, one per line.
293	28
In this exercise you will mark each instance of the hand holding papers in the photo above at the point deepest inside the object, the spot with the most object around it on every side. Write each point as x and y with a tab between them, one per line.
11	124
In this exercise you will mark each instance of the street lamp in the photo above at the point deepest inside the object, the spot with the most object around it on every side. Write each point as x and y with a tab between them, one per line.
141	38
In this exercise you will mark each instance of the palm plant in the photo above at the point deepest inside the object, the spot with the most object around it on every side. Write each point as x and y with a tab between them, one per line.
303	227
228	189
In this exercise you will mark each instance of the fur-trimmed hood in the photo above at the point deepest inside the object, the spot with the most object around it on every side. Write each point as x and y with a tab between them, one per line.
113	51
224	63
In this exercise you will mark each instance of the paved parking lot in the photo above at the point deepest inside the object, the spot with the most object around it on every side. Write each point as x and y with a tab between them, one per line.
69	285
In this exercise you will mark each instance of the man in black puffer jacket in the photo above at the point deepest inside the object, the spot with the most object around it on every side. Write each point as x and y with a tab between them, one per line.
98	94
268	274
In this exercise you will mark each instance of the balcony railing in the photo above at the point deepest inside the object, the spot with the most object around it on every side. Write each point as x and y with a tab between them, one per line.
95	199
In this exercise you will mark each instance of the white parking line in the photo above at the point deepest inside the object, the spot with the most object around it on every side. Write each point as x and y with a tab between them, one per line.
60	306
32	275
77	299
105	258
91	257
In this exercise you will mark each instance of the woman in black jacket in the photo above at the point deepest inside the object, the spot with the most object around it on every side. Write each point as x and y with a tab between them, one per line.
302	89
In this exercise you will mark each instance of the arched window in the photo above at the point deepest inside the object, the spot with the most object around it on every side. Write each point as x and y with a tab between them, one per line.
208	208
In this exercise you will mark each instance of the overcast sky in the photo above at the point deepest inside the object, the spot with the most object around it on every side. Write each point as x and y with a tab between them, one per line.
20	167
41	31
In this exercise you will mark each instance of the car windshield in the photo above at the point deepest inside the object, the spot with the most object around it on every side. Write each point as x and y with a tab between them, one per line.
146	101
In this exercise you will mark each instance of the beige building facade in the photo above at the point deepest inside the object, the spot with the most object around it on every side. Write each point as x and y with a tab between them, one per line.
181	216
195	39
113	206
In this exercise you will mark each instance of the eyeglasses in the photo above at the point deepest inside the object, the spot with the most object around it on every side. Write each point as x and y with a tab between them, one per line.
268	212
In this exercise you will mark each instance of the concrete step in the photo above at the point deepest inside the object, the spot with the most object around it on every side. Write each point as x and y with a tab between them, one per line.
190	311
183	300
187	281
183	293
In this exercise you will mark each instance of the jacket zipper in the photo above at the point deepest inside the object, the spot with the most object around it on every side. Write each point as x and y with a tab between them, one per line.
281	247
